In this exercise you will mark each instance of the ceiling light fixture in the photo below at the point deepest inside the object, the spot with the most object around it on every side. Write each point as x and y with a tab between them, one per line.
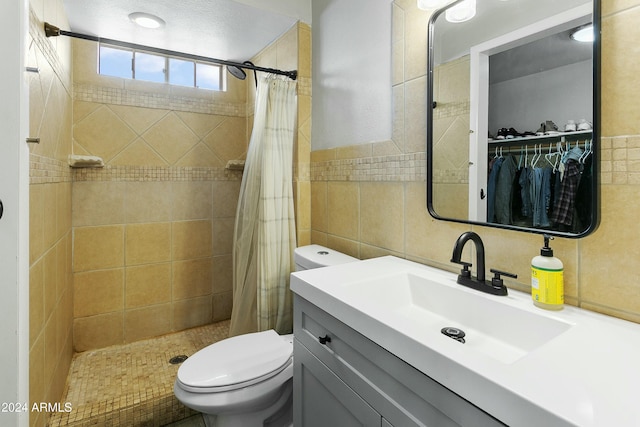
431	4
463	11
146	20
584	34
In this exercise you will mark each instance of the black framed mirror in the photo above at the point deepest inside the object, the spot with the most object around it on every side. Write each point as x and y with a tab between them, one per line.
513	115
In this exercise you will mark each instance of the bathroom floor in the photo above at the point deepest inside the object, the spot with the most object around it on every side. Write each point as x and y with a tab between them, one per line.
132	384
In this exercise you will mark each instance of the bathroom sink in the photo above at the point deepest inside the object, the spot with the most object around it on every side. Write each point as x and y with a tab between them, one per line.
523	365
437	307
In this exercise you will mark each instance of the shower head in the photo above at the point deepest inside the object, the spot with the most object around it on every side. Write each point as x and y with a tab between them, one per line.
237	72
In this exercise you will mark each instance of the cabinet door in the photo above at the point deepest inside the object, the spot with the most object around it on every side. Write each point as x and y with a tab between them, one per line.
321	399
402	395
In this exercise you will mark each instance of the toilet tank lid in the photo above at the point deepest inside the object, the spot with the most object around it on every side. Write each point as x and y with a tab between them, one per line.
314	256
236	360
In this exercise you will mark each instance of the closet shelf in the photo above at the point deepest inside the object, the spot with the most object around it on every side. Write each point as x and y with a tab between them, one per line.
571	136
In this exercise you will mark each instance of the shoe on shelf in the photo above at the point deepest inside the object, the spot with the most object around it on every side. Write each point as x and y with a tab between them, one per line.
512	133
542	129
584	125
570	126
550	128
502	133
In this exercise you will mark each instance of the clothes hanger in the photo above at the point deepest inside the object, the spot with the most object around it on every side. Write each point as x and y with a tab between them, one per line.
549	155
588	145
537	154
521	157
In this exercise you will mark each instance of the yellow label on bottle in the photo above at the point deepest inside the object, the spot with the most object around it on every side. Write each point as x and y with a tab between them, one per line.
547	286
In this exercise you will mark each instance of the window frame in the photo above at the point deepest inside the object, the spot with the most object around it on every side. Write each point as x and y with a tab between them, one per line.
166	71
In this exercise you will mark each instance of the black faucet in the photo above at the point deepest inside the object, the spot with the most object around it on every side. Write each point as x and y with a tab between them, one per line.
495	286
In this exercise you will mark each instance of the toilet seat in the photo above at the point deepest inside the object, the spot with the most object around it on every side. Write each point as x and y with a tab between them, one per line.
235	363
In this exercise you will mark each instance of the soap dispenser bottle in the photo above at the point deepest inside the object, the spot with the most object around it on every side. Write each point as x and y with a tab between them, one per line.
547	282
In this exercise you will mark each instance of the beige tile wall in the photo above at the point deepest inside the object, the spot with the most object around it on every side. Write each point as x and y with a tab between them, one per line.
366	211
153	260
50	245
153	229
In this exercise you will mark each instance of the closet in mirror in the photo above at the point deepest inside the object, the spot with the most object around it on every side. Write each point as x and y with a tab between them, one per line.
512	129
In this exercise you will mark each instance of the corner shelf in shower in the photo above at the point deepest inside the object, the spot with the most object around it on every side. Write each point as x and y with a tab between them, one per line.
77	161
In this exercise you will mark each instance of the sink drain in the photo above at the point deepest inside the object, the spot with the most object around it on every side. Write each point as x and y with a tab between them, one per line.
176	360
455	333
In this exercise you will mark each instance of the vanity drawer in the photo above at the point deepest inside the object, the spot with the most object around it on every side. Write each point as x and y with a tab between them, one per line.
403	395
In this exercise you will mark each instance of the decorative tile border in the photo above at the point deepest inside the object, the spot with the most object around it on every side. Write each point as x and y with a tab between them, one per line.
44	170
304	86
155	173
401	167
620	160
117	96
452	109
452	176
619	165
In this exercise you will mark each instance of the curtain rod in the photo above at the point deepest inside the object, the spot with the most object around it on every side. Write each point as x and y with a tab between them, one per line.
53	31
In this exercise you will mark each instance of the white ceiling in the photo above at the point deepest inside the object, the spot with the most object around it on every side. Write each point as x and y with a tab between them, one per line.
233	30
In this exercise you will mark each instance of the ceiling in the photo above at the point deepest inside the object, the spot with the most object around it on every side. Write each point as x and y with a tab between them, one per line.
554	51
234	30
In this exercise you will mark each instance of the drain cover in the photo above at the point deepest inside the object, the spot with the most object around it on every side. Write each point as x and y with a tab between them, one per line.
455	333
176	360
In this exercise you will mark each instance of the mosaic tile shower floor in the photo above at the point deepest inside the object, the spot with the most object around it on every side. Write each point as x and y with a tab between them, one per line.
132	384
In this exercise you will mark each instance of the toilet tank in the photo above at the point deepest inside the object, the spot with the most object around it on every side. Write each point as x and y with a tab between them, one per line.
315	256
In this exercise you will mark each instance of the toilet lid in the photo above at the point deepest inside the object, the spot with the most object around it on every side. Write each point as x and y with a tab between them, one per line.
236	360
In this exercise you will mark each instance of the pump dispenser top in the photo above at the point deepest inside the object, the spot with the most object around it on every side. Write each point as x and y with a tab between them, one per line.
547	281
546	249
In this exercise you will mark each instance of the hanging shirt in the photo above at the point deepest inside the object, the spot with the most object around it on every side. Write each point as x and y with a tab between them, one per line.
563	211
584	197
491	188
504	187
525	192
542	196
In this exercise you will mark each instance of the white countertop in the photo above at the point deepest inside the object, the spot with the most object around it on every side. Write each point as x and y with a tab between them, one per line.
586	376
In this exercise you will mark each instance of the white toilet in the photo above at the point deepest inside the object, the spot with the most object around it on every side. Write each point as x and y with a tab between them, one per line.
246	381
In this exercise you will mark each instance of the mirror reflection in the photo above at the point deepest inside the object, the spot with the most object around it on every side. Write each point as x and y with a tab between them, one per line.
513	128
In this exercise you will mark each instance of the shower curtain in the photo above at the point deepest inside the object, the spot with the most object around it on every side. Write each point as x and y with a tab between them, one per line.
264	234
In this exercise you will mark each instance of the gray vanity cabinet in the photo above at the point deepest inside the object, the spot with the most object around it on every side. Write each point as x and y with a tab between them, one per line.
326	400
342	378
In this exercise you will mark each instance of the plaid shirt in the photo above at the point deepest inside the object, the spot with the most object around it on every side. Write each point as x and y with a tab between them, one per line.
563	211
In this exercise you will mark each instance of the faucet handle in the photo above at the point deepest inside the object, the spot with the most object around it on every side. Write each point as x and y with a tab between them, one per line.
465	272
496	281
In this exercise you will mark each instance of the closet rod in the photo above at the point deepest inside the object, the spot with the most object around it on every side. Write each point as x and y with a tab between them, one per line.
525	148
53	31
